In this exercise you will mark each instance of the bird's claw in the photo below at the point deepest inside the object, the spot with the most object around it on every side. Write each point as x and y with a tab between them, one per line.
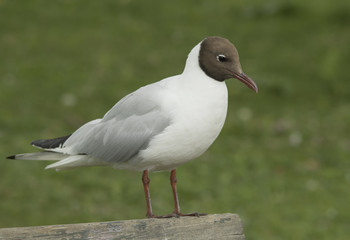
178	214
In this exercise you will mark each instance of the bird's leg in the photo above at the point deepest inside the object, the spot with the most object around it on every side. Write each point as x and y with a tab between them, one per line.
176	212
173	181
145	181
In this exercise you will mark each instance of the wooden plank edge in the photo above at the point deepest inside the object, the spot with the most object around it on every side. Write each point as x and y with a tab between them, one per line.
213	226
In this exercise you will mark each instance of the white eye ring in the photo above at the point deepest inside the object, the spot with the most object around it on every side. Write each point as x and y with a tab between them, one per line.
221	58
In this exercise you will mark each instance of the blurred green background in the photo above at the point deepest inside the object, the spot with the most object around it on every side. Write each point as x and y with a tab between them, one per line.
282	159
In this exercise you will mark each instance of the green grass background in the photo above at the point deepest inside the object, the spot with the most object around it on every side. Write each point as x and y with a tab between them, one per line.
282	160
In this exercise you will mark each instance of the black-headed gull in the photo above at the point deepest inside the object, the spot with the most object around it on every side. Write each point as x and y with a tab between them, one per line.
159	126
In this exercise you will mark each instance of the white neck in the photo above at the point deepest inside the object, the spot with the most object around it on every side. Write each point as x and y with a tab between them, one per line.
192	63
193	72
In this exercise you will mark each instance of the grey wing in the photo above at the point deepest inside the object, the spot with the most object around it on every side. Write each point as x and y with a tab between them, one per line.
125	130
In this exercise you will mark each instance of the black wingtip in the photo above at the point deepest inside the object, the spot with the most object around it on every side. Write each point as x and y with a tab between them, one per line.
50	143
11	157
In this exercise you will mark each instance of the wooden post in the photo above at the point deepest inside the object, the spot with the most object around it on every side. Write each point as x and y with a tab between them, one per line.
214	226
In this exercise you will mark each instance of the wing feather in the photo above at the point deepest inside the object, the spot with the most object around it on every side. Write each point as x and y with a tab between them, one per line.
125	130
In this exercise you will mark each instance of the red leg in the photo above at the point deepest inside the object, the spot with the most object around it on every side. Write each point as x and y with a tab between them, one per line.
173	181
146	181
176	212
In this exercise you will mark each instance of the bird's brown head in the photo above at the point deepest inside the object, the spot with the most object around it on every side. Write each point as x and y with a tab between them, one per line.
219	59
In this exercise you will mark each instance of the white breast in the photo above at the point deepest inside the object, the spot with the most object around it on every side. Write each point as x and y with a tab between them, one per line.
198	111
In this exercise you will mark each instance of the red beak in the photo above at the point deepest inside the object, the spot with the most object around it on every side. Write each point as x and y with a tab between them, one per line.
246	80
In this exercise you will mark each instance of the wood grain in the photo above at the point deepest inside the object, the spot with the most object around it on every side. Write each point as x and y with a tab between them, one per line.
214	226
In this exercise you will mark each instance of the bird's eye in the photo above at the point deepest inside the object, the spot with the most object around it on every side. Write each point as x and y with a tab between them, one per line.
221	58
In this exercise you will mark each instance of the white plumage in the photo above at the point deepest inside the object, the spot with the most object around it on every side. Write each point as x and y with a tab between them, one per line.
158	127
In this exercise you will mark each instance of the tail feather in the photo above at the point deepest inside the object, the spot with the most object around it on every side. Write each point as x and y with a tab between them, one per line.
74	161
65	161
46	156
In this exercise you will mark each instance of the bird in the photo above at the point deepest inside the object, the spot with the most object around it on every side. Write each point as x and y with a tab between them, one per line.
158	127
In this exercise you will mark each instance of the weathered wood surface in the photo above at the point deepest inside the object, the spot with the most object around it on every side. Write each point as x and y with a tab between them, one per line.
215	226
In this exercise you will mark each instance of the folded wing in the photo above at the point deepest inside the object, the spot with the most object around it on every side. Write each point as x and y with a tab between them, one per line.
125	130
